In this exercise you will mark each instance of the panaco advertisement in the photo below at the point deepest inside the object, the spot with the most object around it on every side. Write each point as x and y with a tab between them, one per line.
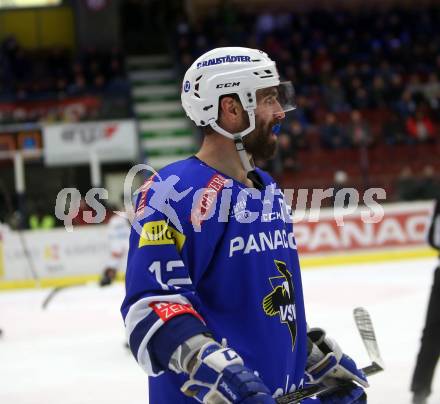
57	254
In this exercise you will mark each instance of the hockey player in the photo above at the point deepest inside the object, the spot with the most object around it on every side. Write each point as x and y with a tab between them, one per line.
430	348
118	231
214	309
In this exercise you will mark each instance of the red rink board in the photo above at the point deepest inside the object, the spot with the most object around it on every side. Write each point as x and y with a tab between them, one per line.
403	225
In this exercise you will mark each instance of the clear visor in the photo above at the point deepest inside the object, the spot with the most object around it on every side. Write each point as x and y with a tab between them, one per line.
280	98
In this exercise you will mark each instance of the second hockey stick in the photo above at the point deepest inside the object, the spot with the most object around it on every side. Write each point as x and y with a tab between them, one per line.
57	290
366	330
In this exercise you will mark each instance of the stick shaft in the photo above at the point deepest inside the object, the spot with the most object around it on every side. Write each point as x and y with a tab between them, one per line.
297	396
366	330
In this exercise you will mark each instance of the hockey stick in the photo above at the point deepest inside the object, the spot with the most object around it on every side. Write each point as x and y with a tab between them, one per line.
366	331
27	254
297	396
55	291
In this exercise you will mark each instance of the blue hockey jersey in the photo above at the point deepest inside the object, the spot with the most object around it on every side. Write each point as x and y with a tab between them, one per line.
208	255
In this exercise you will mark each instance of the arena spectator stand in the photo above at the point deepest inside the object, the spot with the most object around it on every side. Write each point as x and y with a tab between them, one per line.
368	90
44	86
58	85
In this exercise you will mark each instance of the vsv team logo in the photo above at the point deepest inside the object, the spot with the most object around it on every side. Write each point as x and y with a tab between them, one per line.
281	301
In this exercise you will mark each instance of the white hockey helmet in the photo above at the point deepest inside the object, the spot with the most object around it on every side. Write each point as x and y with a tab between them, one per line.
230	70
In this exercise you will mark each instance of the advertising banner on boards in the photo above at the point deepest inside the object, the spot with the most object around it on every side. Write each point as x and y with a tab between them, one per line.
112	141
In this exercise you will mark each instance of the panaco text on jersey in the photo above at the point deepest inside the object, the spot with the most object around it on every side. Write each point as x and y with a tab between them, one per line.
261	242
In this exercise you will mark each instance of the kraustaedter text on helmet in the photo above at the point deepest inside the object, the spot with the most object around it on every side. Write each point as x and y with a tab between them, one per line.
230	70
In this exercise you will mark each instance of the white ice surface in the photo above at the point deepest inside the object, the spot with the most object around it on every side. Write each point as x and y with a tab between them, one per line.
72	353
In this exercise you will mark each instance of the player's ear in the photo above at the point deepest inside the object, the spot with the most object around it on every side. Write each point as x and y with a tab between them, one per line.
230	107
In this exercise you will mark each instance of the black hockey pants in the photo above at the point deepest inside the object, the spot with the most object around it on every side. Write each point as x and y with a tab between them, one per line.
430	343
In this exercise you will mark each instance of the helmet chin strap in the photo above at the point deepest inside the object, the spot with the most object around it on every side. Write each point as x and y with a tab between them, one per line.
246	161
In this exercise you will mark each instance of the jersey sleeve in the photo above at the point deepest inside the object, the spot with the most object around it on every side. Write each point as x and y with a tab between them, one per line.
161	307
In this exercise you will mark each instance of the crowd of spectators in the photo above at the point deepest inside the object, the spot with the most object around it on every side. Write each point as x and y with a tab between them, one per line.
363	79
44	75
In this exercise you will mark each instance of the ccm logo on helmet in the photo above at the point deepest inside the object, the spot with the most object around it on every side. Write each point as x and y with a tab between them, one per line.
226	85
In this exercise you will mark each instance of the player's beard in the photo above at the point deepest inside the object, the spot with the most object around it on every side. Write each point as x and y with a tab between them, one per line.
261	143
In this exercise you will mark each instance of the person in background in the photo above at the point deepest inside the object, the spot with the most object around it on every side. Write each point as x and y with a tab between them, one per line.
286	151
333	135
428	184
289	143
393	130
40	220
420	127
79	220
406	185
297	134
358	130
118	233
430	344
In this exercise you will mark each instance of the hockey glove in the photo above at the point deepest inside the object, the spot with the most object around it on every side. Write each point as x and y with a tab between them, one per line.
218	376
347	395
326	362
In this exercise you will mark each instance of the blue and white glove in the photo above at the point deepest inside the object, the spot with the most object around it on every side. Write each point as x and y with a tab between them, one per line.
346	395
326	361
218	376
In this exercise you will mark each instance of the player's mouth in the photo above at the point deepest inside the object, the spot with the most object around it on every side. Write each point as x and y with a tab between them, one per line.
276	128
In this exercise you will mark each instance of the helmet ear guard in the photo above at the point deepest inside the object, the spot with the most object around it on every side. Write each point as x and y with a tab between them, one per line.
248	98
214	125
246	161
